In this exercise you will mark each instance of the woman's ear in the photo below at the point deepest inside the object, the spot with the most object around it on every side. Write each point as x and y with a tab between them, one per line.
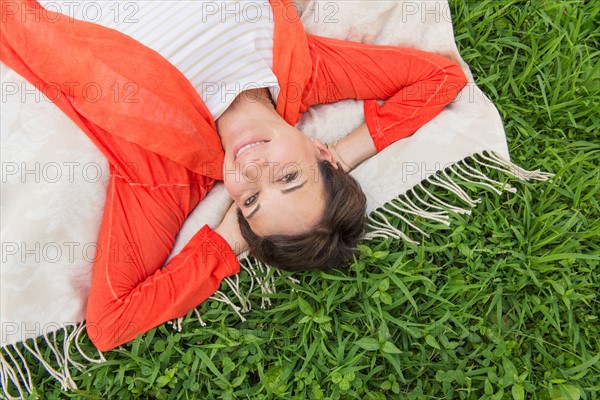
324	153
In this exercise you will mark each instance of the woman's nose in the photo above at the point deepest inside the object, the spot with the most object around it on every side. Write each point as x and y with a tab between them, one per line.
254	170
262	162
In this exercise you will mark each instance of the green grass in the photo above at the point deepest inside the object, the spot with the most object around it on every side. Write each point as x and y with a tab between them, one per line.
503	304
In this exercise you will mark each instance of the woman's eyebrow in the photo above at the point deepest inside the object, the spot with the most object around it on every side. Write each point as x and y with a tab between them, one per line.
253	212
284	191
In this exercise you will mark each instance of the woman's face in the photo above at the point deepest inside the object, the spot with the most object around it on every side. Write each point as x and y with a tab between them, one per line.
272	175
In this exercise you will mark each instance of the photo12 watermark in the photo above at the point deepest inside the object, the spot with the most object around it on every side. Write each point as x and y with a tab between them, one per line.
35	253
253	11
89	11
13	331
89	92
60	172
50	172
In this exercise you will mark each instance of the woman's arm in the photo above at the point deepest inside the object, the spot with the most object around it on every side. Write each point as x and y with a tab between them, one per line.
415	85
132	291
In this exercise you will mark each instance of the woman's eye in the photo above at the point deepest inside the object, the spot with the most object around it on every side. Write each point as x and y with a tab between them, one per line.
250	201
289	177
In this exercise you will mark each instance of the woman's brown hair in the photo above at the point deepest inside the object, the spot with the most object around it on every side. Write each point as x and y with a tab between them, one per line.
332	241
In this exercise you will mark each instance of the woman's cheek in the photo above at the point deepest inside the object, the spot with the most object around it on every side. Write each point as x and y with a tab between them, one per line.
232	187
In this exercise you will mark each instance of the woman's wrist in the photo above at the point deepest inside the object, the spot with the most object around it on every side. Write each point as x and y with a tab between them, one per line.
336	156
353	149
233	238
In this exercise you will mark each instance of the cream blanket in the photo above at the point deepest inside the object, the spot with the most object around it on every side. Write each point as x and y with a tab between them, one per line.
54	180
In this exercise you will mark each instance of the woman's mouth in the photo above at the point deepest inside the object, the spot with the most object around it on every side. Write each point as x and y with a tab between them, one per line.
246	147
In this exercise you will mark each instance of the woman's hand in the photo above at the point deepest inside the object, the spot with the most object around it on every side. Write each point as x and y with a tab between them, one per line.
229	229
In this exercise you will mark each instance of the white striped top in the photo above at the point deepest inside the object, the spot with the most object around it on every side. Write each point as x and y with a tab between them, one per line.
222	47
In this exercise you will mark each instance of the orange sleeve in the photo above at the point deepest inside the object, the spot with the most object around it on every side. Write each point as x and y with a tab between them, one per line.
130	294
415	85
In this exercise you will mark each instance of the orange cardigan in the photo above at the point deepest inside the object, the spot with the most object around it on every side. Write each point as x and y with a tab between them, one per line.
172	138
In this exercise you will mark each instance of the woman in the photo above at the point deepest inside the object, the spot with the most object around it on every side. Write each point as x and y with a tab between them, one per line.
295	204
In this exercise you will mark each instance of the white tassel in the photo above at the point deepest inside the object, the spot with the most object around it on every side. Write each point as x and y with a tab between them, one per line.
225	299
478	174
261	284
458	210
515	170
65	364
37	354
267	286
24	361
496	167
391	204
250	270
79	332
383	227
450	181
450	185
408	208
379	230
176	323
67	354
443	210
67	381
270	278
442	214
202	323
267	280
437	216
376	234
296	281
67	340
235	288
54	347
26	381
9	373
64	378
249	303
386	224
496	190
264	288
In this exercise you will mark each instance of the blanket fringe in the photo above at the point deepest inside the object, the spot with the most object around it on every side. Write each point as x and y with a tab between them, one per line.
260	279
14	367
380	227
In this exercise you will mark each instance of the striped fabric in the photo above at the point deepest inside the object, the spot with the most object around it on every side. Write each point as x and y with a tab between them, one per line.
222	47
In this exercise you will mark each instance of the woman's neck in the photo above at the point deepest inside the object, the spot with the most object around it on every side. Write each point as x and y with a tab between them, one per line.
250	109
